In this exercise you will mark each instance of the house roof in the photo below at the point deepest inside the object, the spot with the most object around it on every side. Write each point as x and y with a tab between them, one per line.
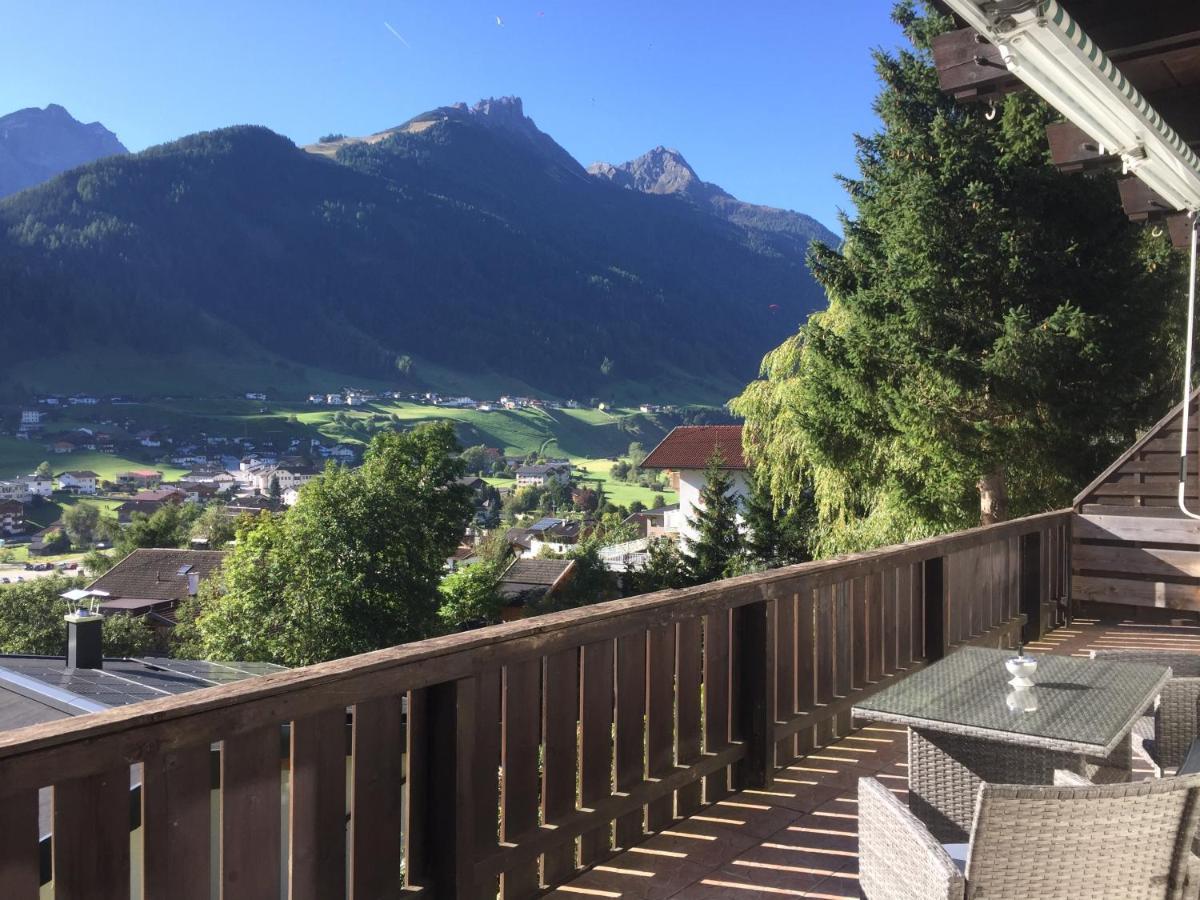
548	469
691	446
530	579
83	473
12	506
158	574
157	496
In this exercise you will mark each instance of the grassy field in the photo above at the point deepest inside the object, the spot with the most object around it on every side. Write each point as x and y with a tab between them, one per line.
22	457
592	438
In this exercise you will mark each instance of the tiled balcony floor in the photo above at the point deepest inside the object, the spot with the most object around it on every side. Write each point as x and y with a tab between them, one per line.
800	838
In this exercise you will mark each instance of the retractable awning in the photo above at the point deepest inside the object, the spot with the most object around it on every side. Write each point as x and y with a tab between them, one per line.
1043	46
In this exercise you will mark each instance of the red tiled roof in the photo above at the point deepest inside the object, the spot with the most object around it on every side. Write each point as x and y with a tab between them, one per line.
690	446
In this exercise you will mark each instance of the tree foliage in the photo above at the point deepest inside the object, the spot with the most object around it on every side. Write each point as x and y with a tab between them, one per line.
31	621
718	540
353	566
992	322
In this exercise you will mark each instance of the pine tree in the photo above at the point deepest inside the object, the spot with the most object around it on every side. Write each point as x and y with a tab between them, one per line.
777	534
996	332
718	538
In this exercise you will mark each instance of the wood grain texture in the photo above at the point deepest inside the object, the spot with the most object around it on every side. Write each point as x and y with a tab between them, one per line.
660	720
716	699
376	800
177	824
630	761
251	830
560	719
688	672
596	746
520	745
20	864
317	811
91	836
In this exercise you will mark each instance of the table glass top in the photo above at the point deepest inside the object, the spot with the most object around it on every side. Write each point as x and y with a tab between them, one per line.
1086	702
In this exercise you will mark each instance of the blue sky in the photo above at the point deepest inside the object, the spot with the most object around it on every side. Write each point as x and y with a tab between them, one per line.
761	97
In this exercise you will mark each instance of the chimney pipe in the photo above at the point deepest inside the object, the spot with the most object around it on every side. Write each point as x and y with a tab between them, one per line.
193	583
84	646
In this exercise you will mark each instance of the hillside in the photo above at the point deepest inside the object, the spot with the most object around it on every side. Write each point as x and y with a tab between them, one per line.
466	239
37	144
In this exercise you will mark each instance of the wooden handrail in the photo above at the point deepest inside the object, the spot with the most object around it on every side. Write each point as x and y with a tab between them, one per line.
666	700
223	711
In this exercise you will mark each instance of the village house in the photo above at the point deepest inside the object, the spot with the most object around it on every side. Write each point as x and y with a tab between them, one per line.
152	583
63	446
15	490
12	517
82	481
255	395
528	581
38	485
541	475
149	438
289	476
31	417
83	400
139	478
685	453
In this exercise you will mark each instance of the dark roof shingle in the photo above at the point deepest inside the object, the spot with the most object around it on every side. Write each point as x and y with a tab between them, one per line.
157	574
691	446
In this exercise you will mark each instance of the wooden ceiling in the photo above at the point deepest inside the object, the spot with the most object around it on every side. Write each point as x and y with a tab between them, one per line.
1156	44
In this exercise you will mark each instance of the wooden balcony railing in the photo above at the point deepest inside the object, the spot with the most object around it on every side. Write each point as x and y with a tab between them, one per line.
507	758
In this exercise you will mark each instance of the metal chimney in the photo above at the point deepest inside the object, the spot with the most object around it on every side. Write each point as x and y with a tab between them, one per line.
193	583
85	648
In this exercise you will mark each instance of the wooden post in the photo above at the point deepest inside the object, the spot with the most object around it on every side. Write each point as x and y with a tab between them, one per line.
754	660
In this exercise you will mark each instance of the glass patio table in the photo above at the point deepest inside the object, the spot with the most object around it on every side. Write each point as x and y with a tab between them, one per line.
967	725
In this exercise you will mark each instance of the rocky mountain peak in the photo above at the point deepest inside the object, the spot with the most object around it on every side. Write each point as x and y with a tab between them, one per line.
37	144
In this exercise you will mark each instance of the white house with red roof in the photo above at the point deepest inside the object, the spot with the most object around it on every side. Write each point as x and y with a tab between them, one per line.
685	453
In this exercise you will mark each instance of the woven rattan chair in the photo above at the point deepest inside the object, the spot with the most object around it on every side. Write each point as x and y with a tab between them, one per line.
1106	842
1165	737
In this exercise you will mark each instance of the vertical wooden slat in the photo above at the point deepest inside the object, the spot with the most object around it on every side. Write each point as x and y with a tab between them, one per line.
317	824
904	616
631	736
688	696
876	634
420	767
951	613
843	675
20	865
716	699
827	652
660	719
889	620
250	815
785	674
596	746
520	743
91	836
860	646
176	824
560	717
806	665
376	807
481	766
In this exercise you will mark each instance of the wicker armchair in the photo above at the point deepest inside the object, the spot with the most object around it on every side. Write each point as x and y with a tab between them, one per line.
1108	842
1164	739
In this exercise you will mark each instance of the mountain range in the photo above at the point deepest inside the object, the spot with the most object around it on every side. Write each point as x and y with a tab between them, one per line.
37	144
464	241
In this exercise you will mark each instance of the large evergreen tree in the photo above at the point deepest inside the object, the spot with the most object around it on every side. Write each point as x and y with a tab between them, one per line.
997	331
